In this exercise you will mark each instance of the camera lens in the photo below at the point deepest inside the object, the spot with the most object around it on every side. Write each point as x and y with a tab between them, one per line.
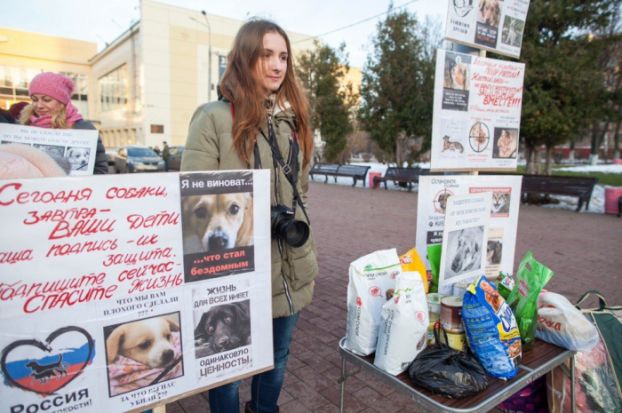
285	227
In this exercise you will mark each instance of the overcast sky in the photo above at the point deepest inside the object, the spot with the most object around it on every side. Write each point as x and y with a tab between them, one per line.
103	20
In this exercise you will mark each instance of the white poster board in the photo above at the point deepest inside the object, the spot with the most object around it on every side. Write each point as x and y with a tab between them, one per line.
75	147
465	237
108	287
477	111
434	191
495	25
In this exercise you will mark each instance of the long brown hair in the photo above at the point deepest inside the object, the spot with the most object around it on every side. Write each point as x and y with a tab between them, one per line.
240	85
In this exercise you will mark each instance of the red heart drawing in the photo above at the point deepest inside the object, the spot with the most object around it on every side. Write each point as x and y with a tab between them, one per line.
46	375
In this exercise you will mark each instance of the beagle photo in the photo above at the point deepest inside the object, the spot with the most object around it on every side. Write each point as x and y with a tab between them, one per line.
217	222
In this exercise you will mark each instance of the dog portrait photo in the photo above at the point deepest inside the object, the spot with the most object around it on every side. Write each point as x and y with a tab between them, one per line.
143	352
456	72
464	251
217	222
221	328
500	204
489	12
505	143
78	158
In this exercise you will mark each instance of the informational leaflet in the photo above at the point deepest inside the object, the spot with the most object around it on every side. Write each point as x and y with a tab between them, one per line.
495	25
434	192
477	110
117	294
73	149
465	234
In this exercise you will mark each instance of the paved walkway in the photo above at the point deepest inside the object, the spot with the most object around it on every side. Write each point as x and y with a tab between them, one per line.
584	250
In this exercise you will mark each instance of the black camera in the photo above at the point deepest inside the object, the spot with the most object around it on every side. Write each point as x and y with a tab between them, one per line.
287	228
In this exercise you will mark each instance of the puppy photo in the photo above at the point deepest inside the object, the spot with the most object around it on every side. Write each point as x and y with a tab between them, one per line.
489	12
456	73
217	222
78	158
506	143
143	352
222	328
464	251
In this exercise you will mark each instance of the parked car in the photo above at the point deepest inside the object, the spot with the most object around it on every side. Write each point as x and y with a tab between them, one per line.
137	159
174	158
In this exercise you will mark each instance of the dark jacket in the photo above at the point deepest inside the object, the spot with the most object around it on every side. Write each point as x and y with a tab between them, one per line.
101	159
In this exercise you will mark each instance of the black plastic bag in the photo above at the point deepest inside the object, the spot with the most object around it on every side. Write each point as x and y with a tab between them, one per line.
448	372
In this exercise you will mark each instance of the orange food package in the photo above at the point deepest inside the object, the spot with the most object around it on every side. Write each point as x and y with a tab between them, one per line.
411	261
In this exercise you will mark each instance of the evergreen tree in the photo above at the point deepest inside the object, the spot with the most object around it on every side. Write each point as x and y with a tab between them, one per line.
322	73
397	85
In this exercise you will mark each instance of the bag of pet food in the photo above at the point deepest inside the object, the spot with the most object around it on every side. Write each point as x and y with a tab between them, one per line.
531	277
491	329
562	324
434	257
370	278
411	261
403	329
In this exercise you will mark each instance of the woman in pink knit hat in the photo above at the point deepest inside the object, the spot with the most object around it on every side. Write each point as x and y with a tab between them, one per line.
51	107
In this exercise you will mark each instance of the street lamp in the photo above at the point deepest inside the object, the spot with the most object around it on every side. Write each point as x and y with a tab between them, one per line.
209	57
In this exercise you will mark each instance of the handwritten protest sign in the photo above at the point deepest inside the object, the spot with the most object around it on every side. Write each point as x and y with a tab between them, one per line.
73	149
477	109
434	192
495	25
97	312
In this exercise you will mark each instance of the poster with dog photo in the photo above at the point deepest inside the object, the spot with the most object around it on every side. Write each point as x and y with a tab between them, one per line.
476	126
50	364
495	25
465	237
73	149
217	224
434	193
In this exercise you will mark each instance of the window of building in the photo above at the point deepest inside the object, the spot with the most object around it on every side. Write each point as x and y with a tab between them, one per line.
113	89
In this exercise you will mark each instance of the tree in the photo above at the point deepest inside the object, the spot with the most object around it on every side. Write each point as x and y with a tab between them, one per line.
564	85
398	83
322	72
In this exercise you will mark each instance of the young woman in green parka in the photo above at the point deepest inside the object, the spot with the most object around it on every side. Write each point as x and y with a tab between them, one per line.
262	121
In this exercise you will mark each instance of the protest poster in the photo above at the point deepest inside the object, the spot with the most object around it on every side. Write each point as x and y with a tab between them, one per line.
465	235
73	149
96	313
495	25
434	192
477	110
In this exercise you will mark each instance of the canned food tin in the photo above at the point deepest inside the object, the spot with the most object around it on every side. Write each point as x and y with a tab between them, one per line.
457	341
434	305
451	314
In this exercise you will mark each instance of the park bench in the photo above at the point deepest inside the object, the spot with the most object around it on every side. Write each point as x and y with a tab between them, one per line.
355	172
403	176
580	187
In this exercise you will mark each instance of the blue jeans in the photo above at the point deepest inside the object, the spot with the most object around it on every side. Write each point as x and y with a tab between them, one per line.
265	387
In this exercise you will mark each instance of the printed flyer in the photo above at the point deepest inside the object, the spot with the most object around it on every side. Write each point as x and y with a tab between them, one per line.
73	149
465	237
434	192
97	312
495	25
477	111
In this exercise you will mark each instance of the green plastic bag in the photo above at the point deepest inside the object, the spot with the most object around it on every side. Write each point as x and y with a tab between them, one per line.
531	278
434	256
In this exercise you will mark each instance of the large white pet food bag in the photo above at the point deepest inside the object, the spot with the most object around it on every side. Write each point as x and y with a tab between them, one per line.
369	279
403	329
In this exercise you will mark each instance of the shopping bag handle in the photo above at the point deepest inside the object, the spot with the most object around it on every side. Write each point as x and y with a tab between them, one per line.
601	300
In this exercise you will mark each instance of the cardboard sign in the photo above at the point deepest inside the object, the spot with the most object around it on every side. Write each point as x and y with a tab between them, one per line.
434	193
477	109
73	149
97	309
495	25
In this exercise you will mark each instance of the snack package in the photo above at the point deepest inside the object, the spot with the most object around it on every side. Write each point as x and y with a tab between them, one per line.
434	256
505	285
491	329
370	277
531	277
403	329
562	324
411	261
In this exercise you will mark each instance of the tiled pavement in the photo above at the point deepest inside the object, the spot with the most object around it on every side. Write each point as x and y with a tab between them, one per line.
584	250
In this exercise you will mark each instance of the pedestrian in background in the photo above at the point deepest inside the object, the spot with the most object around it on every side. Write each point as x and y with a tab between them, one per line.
51	107
166	154
262	121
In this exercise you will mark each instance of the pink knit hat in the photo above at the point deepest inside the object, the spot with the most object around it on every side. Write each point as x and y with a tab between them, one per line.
53	85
